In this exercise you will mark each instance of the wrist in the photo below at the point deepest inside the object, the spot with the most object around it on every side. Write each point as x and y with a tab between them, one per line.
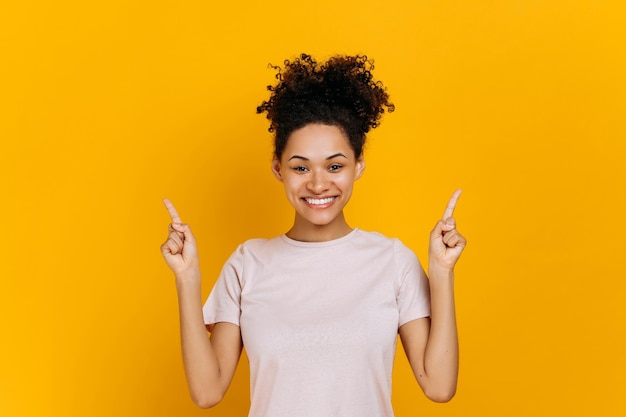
188	278
441	274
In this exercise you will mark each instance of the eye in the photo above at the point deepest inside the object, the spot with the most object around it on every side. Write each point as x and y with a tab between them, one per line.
300	169
334	167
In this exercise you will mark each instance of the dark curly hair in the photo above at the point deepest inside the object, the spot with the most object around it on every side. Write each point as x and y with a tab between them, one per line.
340	92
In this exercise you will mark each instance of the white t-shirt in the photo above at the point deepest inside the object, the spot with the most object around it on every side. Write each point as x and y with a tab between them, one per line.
319	320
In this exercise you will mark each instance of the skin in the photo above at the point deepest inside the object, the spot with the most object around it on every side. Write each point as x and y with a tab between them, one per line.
209	362
318	163
317	166
431	343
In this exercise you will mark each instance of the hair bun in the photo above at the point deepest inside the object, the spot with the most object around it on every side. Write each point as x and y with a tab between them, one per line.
341	92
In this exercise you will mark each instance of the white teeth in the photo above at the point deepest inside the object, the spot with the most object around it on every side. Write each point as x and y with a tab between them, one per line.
319	201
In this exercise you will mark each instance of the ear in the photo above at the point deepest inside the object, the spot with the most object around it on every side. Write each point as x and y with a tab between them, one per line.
276	169
359	167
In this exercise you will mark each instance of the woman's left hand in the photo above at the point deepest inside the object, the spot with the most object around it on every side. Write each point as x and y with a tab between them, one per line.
446	243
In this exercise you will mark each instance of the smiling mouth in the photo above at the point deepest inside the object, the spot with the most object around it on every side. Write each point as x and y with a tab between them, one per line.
319	201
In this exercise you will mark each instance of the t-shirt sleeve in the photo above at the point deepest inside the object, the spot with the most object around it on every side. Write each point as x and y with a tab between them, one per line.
224	301
413	294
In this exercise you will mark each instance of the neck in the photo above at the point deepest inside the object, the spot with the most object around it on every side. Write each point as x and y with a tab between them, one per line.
308	232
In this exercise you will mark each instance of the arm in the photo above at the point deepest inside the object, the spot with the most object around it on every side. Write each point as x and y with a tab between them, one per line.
431	344
209	363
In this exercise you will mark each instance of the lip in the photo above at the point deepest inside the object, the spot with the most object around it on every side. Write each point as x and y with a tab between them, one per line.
320	203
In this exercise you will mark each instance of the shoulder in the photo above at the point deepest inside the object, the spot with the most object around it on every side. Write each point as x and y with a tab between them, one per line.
247	257
403	257
260	244
253	244
372	238
380	240
257	248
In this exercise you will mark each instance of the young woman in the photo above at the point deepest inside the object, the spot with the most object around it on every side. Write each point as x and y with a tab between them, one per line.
319	308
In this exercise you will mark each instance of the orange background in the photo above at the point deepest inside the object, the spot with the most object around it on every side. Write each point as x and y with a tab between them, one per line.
107	107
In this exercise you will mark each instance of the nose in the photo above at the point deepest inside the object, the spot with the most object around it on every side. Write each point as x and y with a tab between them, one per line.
318	182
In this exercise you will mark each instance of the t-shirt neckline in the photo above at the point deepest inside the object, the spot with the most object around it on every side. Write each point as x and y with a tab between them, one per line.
325	243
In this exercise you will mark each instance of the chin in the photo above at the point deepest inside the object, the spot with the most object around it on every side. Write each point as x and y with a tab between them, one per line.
318	220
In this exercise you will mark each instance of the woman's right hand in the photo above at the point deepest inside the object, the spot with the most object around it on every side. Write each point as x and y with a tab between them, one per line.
180	250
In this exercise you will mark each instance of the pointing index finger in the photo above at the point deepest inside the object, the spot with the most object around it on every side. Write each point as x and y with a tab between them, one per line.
172	210
451	205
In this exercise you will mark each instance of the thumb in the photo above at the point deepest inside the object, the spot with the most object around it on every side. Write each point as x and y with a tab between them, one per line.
186	231
449	224
443	226
437	231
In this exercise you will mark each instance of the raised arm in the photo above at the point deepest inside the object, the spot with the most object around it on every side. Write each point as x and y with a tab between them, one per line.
431	345
209	363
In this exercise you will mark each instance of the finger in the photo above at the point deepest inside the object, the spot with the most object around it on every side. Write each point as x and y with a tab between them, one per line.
450	238
170	247
172	210
437	231
185	231
449	224
451	205
454	239
177	237
172	232
174	228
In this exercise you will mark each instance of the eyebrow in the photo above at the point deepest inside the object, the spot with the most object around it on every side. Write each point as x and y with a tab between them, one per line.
306	159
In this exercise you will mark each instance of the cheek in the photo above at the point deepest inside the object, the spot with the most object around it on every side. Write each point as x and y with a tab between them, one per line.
292	183
345	182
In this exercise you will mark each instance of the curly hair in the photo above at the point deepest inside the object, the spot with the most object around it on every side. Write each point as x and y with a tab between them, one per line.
340	92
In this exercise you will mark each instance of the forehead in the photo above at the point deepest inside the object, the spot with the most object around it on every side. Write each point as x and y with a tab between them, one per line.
317	140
